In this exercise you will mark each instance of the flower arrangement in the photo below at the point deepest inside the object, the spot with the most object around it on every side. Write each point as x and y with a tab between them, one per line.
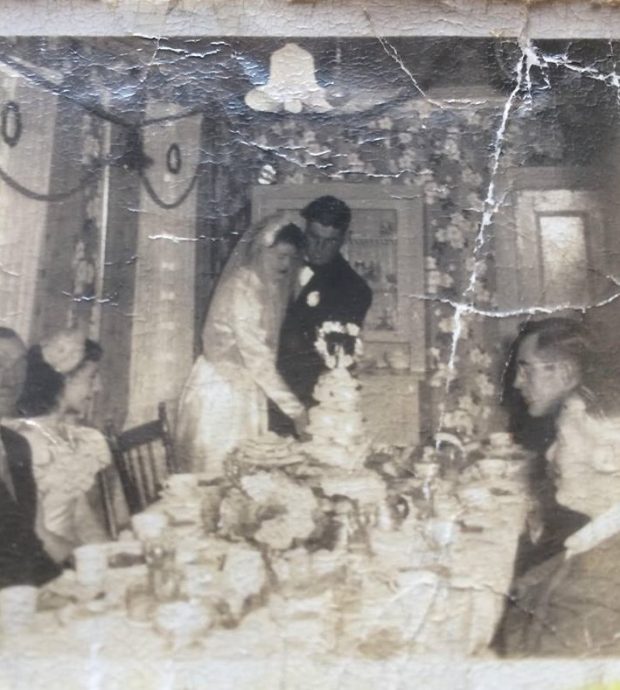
339	344
270	508
466	392
293	507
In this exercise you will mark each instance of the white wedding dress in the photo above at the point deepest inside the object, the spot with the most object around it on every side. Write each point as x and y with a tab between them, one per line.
224	401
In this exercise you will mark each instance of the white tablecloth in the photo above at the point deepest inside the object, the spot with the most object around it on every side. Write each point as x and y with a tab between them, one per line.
453	614
100	669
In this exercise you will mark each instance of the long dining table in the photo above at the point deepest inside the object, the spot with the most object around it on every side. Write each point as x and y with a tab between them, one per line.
98	645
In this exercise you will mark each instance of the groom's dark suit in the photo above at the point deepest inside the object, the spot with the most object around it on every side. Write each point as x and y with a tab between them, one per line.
335	292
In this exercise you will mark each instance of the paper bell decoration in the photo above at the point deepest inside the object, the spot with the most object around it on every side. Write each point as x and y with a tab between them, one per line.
291	86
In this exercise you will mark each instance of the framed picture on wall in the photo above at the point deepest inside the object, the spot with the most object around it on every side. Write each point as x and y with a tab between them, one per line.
555	227
385	246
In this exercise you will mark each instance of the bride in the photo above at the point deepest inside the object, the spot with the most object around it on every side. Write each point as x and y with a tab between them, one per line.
224	401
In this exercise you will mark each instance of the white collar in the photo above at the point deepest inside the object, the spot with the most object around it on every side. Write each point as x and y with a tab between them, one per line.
305	275
602	527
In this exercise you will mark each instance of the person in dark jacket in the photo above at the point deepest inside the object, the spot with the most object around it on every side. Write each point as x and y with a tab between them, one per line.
567	605
23	560
330	290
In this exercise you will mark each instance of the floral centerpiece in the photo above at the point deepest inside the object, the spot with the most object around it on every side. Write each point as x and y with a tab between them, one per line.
463	380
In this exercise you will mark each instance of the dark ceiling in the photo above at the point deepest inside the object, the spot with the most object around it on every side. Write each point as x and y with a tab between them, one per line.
117	75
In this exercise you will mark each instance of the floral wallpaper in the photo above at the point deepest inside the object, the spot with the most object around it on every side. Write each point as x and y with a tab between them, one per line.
448	151
84	260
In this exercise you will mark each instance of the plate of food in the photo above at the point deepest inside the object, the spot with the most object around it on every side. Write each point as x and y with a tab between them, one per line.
269	450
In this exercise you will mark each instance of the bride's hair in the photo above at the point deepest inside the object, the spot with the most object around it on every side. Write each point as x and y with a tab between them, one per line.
275	229
290	234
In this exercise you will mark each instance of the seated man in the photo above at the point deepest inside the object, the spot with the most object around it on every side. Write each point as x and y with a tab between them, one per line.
549	523
23	559
567	605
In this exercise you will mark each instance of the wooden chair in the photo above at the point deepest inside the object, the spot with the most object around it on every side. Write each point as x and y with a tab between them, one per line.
143	458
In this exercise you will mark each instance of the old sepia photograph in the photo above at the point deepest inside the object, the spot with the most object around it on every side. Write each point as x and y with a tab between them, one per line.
309	361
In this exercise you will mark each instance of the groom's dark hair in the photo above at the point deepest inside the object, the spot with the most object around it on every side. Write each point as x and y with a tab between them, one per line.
327	210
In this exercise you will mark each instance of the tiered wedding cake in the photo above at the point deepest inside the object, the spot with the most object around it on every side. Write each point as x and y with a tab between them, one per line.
336	423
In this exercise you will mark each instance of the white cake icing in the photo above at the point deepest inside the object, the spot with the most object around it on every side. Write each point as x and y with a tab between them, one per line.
336	423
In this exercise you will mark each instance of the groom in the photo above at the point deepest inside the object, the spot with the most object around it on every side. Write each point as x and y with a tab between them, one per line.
329	290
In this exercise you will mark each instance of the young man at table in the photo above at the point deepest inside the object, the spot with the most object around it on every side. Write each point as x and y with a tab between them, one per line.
23	559
330	290
567	605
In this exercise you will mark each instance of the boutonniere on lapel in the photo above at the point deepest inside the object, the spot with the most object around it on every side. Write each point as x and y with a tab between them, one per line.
313	298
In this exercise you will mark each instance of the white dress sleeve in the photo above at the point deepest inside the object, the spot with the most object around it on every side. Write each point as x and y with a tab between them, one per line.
257	349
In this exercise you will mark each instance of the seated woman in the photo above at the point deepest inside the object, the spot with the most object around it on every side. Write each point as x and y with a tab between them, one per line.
53	459
225	398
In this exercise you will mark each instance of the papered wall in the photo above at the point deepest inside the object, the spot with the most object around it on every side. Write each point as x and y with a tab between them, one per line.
453	142
446	148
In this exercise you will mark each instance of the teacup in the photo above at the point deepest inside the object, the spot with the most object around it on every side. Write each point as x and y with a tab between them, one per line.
476	497
187	551
501	440
149	526
91	565
182	623
197	581
18	605
442	532
139	602
181	485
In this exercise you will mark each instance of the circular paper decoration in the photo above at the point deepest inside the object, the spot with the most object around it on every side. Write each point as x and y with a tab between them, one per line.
174	162
11	123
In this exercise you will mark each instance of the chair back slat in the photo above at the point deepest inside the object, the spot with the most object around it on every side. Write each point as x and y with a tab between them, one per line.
104	480
144	480
143	457
172	465
157	468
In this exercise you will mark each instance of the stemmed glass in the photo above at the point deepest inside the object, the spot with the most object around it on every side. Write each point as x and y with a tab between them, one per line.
164	580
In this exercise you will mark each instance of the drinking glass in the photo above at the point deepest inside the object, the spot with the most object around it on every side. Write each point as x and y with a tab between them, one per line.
139	602
91	565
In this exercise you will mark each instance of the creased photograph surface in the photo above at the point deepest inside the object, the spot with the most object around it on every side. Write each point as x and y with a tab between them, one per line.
309	363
